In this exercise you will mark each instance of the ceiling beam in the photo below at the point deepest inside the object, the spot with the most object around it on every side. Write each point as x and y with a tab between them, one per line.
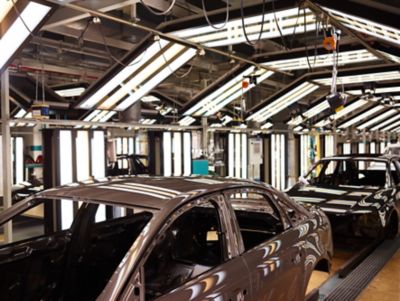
92	36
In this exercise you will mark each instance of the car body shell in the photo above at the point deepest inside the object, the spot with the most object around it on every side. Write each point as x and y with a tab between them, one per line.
278	268
368	210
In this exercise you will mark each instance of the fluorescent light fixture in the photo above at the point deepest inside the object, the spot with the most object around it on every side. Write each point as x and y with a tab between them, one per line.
70	92
377	119
187	154
99	116
226	119
17	33
391	126
237	155
377	90
5	7
20	114
65	157
167	154
177	151
231	155
346	148
368	27
227	93
283	102
305	161
344	58
362	116
298	128
149	98
82	156
386	122
267	125
244	156
330	149
186	121
98	155
315	110
360	78
19	160
278	165
346	110
143	73
372	148
232	33
147	121
131	146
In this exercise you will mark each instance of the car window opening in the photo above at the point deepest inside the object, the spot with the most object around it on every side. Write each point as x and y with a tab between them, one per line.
257	218
192	245
361	173
68	256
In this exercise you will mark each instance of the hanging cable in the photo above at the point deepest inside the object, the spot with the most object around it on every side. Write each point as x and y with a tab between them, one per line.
208	20
109	51
243	25
22	19
167	11
305	30
277	25
295	27
169	67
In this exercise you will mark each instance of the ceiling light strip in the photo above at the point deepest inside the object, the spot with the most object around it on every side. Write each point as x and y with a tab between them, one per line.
283	102
377	119
362	116
361	78
368	27
382	124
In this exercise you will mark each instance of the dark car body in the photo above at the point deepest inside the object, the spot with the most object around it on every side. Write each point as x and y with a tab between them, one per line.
178	239
360	194
128	165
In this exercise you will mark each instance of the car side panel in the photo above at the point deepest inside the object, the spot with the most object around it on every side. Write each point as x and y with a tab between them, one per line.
230	281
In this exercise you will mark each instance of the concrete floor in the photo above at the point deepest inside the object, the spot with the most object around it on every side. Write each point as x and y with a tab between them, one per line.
386	285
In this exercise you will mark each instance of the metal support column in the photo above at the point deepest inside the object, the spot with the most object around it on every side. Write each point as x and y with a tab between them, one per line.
6	144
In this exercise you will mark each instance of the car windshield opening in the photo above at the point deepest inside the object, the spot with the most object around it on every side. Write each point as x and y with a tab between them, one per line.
349	172
65	249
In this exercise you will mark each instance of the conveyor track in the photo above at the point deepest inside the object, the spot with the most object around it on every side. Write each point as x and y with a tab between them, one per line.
348	288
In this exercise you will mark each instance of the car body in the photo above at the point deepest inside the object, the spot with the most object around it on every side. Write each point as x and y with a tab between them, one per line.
149	238
392	149
128	165
359	193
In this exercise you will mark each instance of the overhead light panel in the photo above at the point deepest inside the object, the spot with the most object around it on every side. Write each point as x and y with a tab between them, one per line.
267	126
147	121
377	119
386	122
362	116
391	126
346	110
368	27
288	20
142	74
283	102
227	93
344	58
149	99
361	78
186	121
19	30
70	92
315	110
377	90
99	116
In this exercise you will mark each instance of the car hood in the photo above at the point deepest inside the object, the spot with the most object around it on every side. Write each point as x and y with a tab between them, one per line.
342	199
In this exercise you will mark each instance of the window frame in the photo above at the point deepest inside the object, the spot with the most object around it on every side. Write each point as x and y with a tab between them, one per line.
266	194
216	199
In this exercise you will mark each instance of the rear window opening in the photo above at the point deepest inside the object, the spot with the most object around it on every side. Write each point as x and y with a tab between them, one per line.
62	249
351	172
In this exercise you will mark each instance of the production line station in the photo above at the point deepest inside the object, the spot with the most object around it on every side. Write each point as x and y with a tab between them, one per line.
193	150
